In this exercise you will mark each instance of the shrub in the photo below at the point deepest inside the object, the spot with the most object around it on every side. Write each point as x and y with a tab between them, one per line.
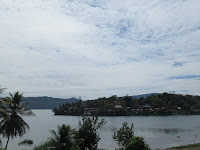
137	143
124	134
86	136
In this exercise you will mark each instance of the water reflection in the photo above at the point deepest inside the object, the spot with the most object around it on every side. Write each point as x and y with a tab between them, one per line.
164	130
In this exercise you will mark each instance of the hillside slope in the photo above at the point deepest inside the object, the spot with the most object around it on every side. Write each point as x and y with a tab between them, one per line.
46	102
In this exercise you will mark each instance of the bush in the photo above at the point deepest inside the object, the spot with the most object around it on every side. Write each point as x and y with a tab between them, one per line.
124	134
86	136
137	143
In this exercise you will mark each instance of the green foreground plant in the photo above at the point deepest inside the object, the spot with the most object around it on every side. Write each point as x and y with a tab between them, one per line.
12	124
65	138
86	136
44	145
126	139
137	143
124	134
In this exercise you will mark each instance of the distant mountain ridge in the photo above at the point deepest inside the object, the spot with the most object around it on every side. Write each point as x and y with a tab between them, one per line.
45	102
144	95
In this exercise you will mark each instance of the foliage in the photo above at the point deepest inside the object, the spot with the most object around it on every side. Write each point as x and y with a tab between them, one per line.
160	104
63	139
137	143
26	142
44	145
14	125
2	90
124	134
3	101
86	136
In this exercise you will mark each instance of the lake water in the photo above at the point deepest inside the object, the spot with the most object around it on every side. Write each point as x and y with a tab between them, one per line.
158	131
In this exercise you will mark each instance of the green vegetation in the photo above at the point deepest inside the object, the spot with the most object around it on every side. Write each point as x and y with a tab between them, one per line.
157	104
3	101
26	142
44	146
126	139
124	134
63	139
12	124
137	143
86	136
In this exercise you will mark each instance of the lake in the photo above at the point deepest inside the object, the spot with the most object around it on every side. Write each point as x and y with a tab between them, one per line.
158	131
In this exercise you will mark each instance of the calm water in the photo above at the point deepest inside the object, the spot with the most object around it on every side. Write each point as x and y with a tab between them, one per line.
158	131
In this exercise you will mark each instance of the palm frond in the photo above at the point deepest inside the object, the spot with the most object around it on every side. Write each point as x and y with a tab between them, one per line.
54	135
2	90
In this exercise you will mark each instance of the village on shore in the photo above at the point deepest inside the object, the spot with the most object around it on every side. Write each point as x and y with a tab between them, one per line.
155	104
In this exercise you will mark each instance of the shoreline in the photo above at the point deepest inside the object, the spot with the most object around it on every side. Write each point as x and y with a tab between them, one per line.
195	146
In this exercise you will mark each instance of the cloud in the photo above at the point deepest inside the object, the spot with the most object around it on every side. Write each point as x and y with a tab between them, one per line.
186	77
99	48
178	64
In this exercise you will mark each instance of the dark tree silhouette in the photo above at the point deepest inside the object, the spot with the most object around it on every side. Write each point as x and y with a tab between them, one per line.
14	125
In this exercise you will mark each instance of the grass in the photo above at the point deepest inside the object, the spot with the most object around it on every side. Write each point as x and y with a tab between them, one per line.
187	147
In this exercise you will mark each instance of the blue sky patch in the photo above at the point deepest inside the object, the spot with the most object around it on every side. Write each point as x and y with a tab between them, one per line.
186	77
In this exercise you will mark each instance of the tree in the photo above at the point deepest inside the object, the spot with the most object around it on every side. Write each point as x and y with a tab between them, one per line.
63	139
128	101
14	125
25	142
137	143
2	90
87	137
3	113
124	134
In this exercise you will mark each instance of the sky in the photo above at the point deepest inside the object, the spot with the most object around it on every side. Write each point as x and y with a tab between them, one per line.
97	48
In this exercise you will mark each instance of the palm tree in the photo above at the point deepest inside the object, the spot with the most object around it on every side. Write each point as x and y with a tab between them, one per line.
63	139
14	125
3	113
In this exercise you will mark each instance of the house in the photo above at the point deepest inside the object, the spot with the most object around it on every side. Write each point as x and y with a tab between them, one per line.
147	106
91	111
118	107
179	108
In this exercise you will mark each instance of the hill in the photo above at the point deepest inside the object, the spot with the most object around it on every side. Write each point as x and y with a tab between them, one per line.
144	95
154	104
45	102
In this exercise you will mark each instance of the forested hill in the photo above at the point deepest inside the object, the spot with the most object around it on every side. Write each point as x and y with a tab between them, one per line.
46	102
144	95
154	104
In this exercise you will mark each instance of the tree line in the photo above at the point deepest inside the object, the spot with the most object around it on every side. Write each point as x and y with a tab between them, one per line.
158	104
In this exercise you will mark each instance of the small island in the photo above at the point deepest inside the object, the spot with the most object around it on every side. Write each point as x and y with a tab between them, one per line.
154	104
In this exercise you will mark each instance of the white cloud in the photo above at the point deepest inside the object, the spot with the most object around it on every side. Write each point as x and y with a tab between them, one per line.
99	48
